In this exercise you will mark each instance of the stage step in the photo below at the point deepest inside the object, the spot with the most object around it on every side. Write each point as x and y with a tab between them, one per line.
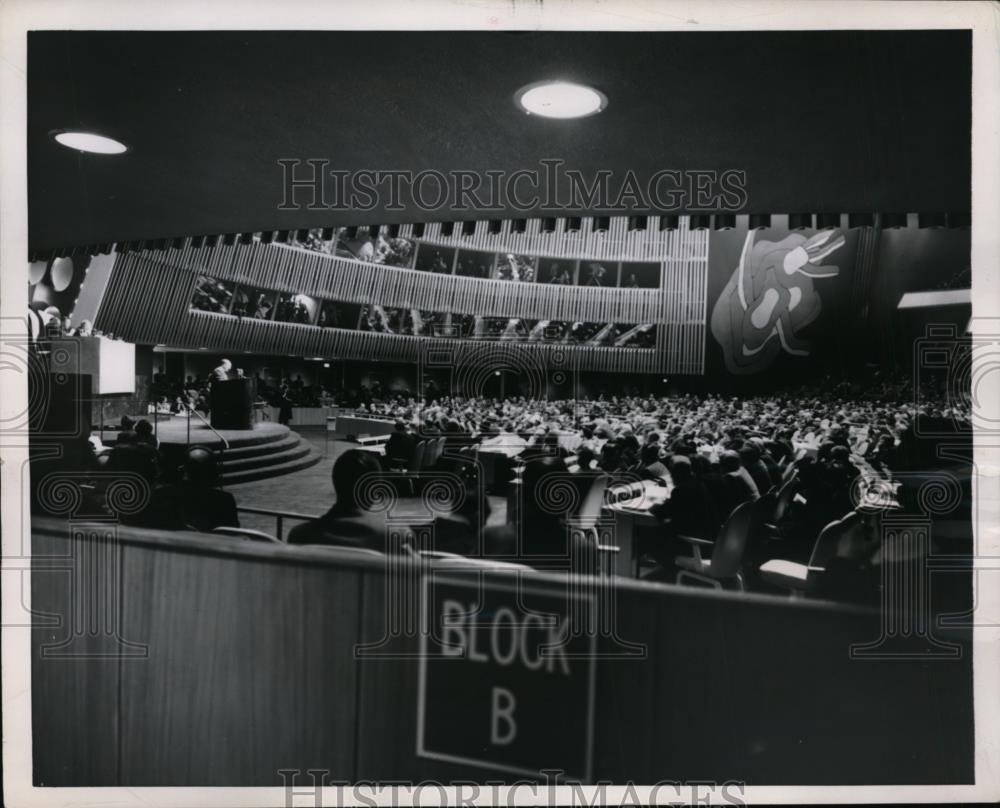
286	454
238	451
268	450
266	467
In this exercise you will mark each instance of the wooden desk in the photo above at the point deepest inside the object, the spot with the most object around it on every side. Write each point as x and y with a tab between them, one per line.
359	425
630	516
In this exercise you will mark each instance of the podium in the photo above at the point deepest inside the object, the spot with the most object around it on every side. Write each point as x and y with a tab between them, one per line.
232	404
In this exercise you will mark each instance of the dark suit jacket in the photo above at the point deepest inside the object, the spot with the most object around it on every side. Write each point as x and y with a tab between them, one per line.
343	527
399	448
655	471
690	510
187	507
737	488
760	475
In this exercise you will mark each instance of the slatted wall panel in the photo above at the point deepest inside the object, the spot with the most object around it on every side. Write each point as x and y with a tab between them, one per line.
148	297
146	300
618	243
680	337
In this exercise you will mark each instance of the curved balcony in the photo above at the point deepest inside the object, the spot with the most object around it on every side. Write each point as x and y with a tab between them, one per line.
148	301
328	277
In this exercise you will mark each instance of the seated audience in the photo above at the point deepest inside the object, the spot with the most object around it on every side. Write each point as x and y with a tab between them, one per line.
346	522
399	448
737	484
652	467
196	501
144	433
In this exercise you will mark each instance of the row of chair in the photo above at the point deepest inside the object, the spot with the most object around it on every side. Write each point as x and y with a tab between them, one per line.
761	519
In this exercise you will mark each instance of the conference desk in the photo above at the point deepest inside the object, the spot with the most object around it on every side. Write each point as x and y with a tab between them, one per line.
358	426
335	420
631	516
301	416
628	516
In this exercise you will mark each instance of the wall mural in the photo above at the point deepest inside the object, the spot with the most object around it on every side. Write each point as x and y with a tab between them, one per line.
771	297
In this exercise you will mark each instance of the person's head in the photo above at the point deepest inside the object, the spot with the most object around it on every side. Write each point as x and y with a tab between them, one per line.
649	454
585	458
840	454
144	429
201	468
749	453
700	464
611	454
680	467
127	423
400	426
350	467
227	365
729	461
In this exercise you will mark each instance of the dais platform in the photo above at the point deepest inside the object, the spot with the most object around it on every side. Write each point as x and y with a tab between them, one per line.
266	450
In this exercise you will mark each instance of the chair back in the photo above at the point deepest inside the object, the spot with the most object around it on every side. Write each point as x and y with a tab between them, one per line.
784	499
727	556
346	550
419	456
430	453
438	449
247	534
593	501
764	508
826	543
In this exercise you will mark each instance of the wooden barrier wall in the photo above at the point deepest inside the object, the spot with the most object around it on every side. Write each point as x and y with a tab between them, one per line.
241	662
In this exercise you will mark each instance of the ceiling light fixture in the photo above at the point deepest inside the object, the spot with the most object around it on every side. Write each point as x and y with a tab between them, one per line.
560	99
89	142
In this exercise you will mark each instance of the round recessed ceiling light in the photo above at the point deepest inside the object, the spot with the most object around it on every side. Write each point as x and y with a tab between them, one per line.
560	99
89	142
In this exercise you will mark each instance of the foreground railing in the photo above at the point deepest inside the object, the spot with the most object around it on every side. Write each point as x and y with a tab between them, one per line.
280	517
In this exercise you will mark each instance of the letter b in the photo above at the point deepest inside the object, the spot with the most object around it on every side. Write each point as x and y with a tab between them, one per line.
502	712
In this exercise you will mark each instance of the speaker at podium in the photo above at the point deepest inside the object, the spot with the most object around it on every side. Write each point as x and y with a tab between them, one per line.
232	404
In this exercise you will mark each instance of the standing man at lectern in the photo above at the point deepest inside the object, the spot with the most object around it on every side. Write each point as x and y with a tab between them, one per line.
223	372
232	398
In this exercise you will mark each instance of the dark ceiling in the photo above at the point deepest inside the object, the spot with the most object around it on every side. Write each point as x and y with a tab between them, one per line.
819	121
